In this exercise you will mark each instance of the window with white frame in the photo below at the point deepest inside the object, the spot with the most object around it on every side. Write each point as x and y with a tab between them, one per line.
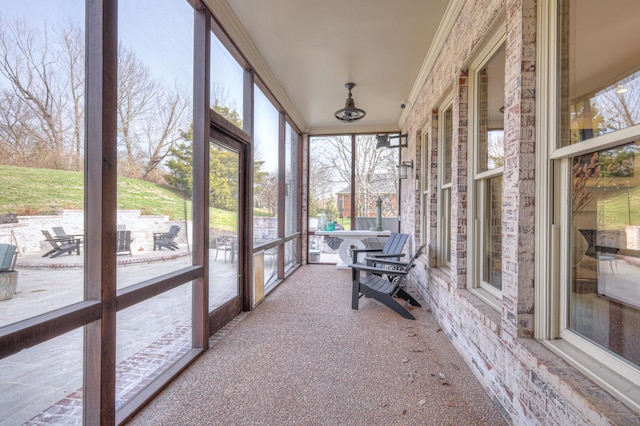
487	82
445	133
597	181
424	191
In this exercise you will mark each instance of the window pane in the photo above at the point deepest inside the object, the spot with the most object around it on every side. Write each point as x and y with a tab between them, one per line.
329	193
376	178
265	173
224	224
600	91
43	383
446	226
605	253
448	144
291	181
492	252
155	83
291	254
42	95
270	267
491	113
227	78
152	335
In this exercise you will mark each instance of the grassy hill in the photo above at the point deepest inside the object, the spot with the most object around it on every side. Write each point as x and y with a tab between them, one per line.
31	191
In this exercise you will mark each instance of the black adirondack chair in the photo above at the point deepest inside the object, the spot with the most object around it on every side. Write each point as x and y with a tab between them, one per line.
376	285
61	235
392	249
59	247
166	239
123	242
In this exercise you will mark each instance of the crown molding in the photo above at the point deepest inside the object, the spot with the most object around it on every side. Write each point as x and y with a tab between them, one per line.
444	29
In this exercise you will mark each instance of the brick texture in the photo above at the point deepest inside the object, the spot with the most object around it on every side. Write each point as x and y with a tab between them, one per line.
529	383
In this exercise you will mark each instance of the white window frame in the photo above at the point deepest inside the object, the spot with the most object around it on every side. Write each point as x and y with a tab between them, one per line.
444	189
553	219
478	180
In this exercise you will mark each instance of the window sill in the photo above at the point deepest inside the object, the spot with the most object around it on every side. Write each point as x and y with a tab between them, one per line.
489	299
622	388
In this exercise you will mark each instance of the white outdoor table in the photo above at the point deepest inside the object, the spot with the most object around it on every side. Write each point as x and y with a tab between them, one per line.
352	239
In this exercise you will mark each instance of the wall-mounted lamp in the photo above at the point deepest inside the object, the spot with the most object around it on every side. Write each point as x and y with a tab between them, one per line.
403	169
384	141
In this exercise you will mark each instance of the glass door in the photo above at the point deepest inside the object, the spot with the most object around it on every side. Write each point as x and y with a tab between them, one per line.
226	208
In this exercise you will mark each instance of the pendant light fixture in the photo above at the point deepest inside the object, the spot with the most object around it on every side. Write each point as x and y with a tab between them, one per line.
349	113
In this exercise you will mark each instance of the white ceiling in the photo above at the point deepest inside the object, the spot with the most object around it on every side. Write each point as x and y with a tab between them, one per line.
311	48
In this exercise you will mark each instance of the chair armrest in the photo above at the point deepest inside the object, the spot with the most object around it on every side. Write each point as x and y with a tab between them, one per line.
365	250
365	268
388	262
383	255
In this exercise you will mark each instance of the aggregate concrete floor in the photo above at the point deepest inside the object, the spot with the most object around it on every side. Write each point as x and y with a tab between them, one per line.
304	357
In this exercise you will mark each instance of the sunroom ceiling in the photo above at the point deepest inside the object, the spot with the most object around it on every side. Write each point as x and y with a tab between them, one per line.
311	48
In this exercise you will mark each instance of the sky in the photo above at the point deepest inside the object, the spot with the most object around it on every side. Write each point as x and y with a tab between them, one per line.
162	37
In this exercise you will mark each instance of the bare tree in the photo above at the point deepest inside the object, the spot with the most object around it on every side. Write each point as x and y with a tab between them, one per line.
136	95
267	195
375	170
29	61
16	139
163	128
73	43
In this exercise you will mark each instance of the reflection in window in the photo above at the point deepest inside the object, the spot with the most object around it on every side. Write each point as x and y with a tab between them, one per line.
492	253
489	93
601	91
448	144
446	137
604	298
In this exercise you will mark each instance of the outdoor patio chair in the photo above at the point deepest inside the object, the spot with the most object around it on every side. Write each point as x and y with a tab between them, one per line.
123	242
392	250
166	239
224	244
377	286
61	235
59	247
8	256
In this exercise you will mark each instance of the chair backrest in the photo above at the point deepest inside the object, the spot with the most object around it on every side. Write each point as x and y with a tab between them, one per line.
410	263
7	256
59	231
173	231
123	239
395	243
49	238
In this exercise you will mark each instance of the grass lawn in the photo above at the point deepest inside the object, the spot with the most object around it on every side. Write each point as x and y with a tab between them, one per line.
31	191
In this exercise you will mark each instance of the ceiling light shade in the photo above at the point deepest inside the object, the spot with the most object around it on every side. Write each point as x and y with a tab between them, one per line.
349	113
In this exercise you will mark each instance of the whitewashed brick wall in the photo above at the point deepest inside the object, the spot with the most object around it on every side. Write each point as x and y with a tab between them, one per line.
529	383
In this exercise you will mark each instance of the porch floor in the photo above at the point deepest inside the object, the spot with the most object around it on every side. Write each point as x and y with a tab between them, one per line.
303	356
